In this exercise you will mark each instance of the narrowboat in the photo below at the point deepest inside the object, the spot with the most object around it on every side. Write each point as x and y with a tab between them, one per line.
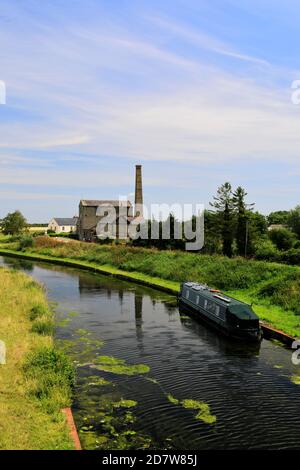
232	317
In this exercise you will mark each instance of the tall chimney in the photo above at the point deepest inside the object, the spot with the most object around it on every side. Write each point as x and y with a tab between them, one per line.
138	191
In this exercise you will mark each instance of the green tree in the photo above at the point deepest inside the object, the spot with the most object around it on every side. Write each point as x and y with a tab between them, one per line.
294	220
224	208
212	236
257	228
242	226
278	218
13	224
283	238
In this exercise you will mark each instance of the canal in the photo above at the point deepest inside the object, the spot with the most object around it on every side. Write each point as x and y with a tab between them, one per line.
152	377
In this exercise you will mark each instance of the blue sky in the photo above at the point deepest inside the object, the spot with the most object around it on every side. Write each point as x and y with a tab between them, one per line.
198	92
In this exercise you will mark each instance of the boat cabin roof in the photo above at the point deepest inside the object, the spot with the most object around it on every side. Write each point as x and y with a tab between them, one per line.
234	306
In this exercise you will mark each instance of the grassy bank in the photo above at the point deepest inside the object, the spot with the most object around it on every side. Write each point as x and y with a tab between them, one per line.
273	288
35	382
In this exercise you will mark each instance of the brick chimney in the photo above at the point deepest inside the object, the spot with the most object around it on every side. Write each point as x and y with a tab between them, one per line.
138	192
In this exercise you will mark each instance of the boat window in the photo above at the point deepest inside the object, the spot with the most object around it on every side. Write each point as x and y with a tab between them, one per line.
205	303
197	300
217	310
187	294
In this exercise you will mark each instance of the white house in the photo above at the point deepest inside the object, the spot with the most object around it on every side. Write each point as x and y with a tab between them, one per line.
63	225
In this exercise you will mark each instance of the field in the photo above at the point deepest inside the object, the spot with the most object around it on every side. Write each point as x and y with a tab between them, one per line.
35	382
272	288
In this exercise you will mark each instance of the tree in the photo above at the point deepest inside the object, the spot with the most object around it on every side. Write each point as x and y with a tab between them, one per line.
223	204
242	226
294	220
283	238
212	237
257	228
13	224
278	218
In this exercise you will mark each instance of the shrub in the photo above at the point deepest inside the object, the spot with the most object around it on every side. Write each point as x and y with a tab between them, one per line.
283	238
291	256
265	249
45	241
25	242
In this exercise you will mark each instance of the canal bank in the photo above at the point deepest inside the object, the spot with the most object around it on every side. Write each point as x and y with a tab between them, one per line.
171	287
35	379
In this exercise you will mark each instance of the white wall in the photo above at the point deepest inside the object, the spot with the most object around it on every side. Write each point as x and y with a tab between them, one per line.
60	228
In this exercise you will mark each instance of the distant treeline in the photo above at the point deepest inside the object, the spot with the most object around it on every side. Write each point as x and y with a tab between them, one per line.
233	228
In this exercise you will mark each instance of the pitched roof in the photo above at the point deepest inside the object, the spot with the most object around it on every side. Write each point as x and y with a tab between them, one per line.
99	202
66	221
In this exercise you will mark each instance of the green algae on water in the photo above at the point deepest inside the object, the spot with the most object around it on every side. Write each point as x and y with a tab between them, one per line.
124	404
63	322
204	410
95	381
118	366
295	379
82	332
154	381
173	399
73	314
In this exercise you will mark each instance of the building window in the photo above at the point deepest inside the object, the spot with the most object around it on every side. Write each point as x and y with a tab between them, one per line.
63	229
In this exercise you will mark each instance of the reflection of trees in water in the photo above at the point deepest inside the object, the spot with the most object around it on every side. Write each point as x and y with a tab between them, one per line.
21	264
170	305
138	313
215	338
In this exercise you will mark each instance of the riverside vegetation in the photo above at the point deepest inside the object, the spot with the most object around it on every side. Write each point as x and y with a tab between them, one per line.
272	288
36	381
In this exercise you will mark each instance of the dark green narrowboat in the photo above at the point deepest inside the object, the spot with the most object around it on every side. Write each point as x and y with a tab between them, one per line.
233	317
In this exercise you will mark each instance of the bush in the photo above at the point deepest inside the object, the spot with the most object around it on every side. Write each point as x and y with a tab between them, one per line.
291	256
46	241
264	249
25	242
283	238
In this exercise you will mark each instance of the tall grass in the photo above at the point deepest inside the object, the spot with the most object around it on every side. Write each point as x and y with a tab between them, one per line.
36	380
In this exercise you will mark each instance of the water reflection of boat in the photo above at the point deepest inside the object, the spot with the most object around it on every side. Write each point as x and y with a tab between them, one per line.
208	335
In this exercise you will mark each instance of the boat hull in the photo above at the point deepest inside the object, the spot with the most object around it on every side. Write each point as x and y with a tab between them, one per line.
250	335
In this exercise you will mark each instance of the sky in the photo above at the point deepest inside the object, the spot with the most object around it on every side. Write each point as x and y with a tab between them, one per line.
198	92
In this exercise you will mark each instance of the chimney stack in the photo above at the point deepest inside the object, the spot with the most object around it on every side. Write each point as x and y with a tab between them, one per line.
138	191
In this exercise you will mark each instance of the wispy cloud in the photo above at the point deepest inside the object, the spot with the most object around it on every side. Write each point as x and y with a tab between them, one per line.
205	41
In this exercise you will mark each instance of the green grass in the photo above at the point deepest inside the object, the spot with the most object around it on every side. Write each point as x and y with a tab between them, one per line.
36	381
274	288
